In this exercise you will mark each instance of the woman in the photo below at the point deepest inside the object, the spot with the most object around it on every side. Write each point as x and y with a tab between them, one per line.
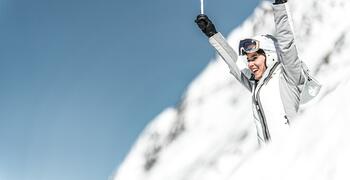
275	75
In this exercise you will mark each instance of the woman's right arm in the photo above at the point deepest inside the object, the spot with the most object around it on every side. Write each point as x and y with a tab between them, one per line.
224	49
230	57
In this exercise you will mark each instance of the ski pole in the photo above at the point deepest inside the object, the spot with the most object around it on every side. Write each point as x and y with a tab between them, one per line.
202	6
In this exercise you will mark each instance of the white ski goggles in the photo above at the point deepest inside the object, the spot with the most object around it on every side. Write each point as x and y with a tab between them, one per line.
248	46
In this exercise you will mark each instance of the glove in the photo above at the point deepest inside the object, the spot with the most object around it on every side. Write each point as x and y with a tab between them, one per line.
205	25
280	1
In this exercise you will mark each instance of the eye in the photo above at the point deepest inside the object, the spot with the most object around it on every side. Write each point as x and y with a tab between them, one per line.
252	59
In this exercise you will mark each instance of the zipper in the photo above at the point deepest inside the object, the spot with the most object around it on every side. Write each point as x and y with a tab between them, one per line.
257	103
256	99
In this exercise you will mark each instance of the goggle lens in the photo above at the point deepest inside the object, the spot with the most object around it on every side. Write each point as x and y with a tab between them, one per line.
248	46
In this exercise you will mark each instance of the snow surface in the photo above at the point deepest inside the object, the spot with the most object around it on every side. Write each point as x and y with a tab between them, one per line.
211	135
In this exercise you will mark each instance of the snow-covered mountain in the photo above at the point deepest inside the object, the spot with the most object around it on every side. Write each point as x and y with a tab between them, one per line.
210	134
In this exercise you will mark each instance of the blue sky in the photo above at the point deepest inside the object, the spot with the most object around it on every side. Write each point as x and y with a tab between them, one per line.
80	79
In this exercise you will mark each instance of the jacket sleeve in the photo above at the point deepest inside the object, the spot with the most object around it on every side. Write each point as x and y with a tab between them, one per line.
230	57
286	44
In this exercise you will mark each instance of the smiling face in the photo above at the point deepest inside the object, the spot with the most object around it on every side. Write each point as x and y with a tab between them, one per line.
256	64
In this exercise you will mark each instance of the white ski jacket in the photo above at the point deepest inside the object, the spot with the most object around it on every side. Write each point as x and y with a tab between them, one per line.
276	96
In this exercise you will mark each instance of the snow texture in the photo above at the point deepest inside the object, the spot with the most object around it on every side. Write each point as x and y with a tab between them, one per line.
211	135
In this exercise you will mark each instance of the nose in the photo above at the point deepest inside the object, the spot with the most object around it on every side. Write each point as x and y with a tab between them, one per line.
250	64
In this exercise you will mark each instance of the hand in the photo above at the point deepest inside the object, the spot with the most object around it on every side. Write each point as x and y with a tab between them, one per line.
205	25
280	1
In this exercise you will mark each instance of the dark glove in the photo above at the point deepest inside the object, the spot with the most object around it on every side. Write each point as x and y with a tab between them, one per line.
280	1
205	25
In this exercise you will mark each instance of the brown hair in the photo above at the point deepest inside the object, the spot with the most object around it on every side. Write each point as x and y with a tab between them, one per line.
262	52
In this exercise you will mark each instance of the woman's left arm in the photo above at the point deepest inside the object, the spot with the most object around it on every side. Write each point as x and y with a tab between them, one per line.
286	43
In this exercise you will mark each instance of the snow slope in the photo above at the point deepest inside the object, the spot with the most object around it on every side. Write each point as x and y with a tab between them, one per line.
210	134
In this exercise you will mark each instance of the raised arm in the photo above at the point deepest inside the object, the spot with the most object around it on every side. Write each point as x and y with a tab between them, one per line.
224	49
230	57
286	44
